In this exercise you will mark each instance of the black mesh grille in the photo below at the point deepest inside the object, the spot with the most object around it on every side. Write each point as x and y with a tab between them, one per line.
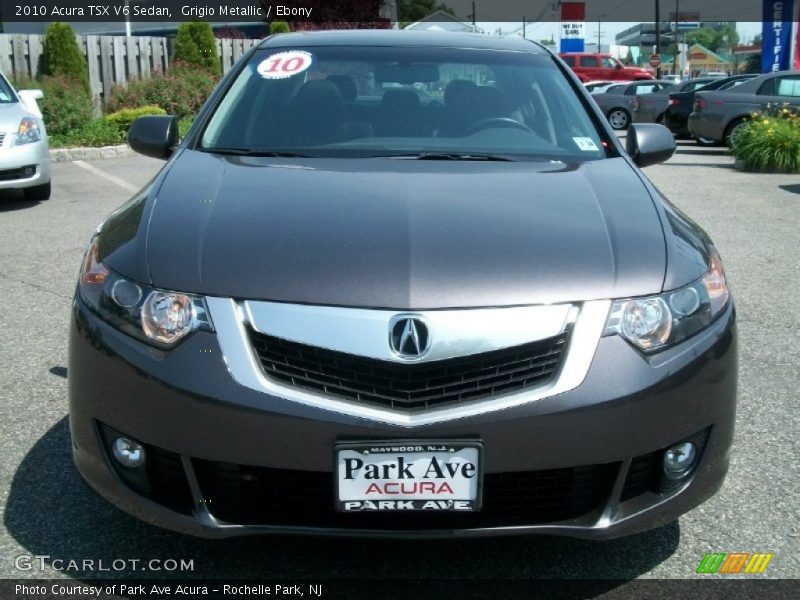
643	475
646	472
263	496
409	386
162	479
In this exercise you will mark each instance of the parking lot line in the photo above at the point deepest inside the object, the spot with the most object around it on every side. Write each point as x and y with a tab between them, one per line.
107	176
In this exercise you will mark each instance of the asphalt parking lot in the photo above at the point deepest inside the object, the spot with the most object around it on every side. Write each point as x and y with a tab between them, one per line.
754	220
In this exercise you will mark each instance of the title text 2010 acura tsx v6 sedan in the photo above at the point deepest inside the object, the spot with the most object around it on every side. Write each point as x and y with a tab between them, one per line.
402	284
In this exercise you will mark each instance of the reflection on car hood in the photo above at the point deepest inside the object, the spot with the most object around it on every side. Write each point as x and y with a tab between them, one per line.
404	234
11	113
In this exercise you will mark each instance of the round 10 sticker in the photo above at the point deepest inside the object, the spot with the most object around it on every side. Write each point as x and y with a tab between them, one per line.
284	64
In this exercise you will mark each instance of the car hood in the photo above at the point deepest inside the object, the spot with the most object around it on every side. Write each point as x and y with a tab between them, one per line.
405	234
10	115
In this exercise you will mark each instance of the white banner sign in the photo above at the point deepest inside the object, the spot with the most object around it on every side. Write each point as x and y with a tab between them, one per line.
572	30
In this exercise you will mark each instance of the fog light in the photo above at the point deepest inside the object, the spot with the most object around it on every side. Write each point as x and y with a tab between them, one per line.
128	452
29	171
679	459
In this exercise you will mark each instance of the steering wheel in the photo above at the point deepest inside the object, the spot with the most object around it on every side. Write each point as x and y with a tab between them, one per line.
504	122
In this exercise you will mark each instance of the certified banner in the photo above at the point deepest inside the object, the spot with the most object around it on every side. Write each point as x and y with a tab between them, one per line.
776	37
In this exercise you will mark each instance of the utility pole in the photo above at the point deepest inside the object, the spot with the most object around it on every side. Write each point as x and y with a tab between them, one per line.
677	60
474	27
523	28
658	35
598	34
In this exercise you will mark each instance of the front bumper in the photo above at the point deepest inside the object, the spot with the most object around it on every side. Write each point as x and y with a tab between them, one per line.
207	430
13	158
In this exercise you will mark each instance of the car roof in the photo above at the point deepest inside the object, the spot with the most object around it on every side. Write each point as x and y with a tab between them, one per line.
753	85
394	37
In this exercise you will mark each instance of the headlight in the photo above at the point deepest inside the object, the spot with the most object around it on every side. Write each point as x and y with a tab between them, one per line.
654	322
28	131
158	317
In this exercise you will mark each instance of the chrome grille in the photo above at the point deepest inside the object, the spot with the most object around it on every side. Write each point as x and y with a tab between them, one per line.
409	387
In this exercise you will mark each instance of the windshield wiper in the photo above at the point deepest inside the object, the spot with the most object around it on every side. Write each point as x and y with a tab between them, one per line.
448	156
253	152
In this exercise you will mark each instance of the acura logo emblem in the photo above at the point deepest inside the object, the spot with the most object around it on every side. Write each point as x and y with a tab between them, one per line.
409	337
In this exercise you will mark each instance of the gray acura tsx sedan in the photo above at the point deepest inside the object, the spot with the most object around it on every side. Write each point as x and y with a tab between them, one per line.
402	284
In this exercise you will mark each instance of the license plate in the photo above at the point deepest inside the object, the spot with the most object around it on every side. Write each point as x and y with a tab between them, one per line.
408	476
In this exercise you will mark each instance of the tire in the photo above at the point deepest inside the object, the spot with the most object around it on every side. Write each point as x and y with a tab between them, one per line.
733	130
37	193
619	118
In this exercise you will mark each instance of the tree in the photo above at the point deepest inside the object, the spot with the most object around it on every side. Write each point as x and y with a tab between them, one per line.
715	40
278	27
753	64
411	11
196	45
726	38
705	36
547	42
61	55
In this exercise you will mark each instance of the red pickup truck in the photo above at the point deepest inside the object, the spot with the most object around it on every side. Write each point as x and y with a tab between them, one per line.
589	66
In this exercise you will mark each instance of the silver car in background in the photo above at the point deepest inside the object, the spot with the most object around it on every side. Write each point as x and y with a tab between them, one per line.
718	116
651	107
24	151
617	101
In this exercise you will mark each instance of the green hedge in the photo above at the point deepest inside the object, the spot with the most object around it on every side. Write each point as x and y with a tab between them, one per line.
181	91
66	105
122	119
770	143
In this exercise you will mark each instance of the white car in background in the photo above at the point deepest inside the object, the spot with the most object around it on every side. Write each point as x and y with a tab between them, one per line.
600	86
24	151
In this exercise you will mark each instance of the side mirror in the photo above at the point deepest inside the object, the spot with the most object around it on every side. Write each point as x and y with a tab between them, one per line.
29	98
155	136
618	66
649	143
33	94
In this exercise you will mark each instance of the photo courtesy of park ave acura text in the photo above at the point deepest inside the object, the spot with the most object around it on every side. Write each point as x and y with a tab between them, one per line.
399	298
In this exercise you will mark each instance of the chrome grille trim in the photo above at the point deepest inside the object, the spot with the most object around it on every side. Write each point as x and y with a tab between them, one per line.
232	319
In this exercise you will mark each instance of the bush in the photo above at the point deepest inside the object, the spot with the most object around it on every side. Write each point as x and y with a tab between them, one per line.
195	44
184	125
66	105
61	56
278	27
770	143
97	132
181	91
122	119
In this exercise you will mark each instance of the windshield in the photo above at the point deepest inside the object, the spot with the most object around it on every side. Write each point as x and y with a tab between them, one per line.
6	94
349	101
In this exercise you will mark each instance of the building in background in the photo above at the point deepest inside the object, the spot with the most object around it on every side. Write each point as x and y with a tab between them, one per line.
442	21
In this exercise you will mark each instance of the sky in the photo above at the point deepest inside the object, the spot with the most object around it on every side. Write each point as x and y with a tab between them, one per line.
544	29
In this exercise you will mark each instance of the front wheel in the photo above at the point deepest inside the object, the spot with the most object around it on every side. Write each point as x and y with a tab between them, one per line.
37	193
619	118
734	131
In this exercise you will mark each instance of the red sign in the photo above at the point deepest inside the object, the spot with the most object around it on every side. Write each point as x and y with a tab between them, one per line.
655	60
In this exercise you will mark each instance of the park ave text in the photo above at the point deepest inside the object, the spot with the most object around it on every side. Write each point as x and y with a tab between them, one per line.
169	590
194	11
